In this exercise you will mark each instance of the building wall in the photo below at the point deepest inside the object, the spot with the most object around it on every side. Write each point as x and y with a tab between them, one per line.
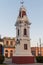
9	46
9	52
37	51
1	46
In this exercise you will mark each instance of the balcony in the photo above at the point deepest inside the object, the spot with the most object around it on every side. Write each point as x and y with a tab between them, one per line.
9	46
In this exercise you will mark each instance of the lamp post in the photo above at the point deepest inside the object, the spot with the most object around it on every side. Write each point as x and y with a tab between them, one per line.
37	50
40	45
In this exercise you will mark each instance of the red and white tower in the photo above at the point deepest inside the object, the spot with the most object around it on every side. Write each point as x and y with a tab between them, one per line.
22	53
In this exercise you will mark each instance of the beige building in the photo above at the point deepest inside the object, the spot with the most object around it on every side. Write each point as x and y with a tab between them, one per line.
9	46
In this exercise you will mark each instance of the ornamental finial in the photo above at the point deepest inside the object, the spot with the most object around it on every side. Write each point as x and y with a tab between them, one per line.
22	2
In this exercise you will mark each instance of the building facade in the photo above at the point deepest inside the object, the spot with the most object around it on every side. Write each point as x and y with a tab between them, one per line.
1	46
37	51
9	46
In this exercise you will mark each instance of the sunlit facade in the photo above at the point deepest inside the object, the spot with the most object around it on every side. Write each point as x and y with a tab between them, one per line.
37	51
9	46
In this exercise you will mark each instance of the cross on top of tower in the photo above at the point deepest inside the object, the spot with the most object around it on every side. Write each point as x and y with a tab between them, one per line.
22	2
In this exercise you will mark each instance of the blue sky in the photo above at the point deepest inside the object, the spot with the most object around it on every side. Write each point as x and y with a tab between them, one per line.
9	10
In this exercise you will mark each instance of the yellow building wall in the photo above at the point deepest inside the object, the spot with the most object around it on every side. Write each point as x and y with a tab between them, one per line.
9	47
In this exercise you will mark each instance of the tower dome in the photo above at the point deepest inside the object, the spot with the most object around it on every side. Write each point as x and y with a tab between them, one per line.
22	17
22	12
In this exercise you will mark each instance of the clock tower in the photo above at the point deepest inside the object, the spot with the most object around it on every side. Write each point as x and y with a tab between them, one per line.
22	34
22	53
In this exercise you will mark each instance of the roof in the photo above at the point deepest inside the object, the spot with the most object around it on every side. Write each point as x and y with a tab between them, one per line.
13	38
22	8
22	17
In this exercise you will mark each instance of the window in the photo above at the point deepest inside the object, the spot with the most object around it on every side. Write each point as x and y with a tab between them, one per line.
11	51
11	43
6	55
7	43
11	54
18	32
6	50
25	32
23	13
25	46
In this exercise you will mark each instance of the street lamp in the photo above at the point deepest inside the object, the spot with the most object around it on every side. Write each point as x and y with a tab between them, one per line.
40	45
